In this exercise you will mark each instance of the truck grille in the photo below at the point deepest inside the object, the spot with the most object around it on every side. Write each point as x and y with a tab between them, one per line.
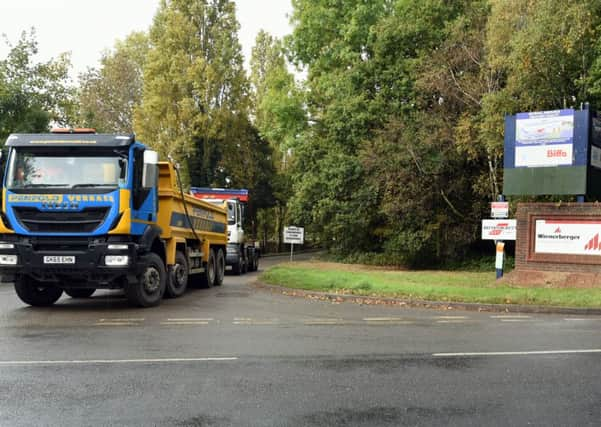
85	221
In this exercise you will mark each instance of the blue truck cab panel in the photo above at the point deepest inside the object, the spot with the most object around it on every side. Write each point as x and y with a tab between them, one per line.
75	209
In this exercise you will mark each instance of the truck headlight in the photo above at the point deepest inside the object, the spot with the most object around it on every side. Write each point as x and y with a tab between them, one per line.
8	260
4	245
116	260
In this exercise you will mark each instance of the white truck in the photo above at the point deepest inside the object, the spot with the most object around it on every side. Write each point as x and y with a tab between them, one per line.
242	254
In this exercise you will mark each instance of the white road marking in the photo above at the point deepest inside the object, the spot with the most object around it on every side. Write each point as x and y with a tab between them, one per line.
114	361
185	323
518	353
200	319
580	319
324	322
382	319
517	320
116	324
451	321
450	317
242	319
255	322
511	316
138	319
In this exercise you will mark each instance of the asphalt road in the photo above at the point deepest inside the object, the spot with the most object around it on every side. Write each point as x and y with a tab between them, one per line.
237	356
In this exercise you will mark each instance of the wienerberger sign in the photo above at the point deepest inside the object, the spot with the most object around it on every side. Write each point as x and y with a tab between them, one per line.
569	237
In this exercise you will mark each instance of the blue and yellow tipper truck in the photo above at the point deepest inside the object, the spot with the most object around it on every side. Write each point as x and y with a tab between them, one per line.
83	211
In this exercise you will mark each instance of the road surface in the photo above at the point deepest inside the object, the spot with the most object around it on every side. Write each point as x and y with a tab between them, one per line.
236	356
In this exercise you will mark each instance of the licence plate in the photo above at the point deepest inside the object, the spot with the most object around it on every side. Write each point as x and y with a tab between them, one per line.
59	259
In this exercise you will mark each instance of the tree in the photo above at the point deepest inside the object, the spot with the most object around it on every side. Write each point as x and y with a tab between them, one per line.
108	95
280	117
33	95
195	97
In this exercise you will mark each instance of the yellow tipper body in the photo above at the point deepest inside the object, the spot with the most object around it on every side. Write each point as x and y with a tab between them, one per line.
208	220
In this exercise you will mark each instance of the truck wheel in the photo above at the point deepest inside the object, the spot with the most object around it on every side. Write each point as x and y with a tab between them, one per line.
80	293
237	266
245	266
208	277
148	290
178	277
34	293
219	268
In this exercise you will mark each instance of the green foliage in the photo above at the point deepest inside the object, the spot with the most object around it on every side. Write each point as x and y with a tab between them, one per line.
196	102
108	95
406	103
32	95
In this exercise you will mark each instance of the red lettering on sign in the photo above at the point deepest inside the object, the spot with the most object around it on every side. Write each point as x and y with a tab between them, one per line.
557	153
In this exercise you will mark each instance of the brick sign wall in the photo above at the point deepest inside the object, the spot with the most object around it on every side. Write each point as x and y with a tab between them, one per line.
559	237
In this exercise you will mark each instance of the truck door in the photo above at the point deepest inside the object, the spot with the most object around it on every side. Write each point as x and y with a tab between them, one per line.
144	191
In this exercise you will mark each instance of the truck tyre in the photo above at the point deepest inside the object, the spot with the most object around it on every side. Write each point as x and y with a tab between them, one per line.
34	293
237	266
255	262
178	277
208	277
219	267
245	265
148	290
80	293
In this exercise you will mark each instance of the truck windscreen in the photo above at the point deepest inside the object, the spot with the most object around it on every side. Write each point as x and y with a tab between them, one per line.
28	169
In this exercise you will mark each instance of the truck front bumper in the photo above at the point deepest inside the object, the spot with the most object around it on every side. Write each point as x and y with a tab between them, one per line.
70	262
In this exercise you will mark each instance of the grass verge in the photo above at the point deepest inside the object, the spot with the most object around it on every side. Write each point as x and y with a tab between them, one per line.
448	286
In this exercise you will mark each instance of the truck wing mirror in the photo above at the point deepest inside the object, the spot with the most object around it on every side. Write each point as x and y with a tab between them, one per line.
150	174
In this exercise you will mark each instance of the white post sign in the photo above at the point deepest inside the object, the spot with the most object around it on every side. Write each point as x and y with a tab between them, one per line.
294	235
499	229
499	209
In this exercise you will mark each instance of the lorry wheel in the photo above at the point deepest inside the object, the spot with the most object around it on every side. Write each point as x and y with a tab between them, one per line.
148	290
237	266
178	277
208	277
34	293
245	266
219	267
80	293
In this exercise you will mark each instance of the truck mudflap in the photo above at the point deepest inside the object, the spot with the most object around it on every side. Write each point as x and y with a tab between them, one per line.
70	262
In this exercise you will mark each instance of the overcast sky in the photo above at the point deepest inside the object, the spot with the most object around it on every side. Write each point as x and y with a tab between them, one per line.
86	27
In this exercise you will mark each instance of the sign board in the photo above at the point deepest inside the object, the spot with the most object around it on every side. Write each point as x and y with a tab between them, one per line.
549	153
568	237
499	229
544	139
295	235
499	209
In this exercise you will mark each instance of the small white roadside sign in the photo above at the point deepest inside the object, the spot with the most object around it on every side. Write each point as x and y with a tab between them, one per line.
499	209
294	235
499	229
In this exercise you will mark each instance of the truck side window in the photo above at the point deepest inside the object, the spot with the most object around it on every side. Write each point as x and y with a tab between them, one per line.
139	193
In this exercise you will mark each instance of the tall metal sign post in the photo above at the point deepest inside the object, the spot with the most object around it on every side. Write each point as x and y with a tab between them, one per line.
294	235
